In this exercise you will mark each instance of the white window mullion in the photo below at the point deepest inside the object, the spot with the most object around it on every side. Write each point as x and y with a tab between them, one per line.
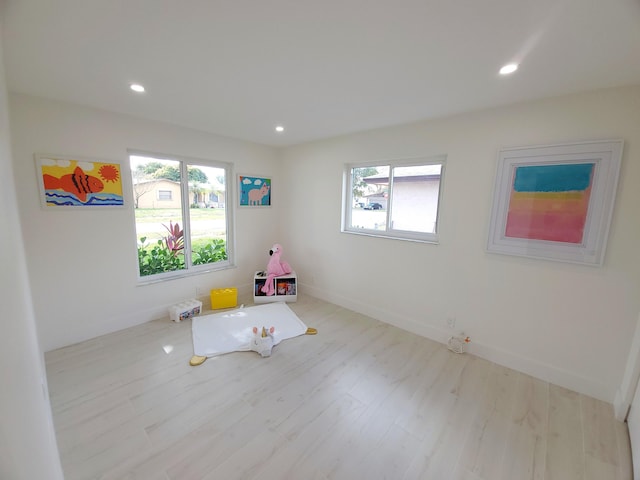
390	199
229	217
347	200
186	227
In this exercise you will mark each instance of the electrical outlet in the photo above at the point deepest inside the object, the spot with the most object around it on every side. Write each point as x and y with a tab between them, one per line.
451	322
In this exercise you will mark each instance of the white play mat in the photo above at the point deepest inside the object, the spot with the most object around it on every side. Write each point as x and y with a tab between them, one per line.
232	331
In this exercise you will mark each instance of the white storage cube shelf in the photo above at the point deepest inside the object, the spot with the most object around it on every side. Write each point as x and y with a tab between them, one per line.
286	288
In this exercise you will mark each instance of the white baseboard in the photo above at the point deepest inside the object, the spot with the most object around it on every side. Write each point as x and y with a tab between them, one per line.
535	368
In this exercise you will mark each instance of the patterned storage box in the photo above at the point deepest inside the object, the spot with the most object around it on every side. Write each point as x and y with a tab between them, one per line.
182	311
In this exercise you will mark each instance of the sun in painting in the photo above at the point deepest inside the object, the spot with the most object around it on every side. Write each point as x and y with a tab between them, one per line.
109	173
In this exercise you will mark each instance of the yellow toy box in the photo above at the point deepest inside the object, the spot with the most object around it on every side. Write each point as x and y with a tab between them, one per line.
224	298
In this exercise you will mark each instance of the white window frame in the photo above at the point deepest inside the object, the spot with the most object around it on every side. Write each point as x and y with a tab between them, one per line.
191	269
347	200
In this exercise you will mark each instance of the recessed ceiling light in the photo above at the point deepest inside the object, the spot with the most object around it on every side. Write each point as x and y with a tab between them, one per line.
509	68
136	87
279	128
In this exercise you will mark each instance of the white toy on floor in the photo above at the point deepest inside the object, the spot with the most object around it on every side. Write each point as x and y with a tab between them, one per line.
262	342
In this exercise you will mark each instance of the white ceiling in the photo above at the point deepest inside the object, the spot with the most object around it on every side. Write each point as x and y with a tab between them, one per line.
321	68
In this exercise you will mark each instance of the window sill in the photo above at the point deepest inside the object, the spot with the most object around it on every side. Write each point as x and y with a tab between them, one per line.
366	233
168	276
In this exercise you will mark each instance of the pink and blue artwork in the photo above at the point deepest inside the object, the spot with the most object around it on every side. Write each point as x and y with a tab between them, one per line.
550	202
254	191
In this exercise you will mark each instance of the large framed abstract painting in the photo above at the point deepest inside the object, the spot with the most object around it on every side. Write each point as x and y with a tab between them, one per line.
555	202
67	182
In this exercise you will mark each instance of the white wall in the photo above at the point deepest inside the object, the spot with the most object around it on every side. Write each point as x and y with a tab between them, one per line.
27	442
83	264
568	324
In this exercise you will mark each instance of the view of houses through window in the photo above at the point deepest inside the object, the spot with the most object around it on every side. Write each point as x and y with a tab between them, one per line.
182	220
398	199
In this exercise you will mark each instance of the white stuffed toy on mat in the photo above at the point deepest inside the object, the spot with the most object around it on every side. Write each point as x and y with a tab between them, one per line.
262	342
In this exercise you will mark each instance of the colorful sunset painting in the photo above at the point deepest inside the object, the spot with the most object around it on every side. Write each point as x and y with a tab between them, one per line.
550	202
72	183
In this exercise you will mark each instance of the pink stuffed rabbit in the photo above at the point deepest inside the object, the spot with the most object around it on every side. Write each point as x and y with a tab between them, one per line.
275	268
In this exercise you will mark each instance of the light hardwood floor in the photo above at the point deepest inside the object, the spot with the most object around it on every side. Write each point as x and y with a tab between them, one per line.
360	400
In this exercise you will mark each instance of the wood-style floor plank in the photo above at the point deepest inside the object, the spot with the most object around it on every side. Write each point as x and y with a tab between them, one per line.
484	449
362	399
525	457
565	448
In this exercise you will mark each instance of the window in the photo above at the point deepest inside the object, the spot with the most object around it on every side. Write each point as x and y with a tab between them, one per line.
397	199
179	229
164	195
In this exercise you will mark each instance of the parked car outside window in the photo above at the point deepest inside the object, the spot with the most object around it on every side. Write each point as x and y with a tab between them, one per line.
373	206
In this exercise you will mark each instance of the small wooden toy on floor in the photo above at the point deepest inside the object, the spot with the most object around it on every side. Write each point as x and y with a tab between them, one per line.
197	360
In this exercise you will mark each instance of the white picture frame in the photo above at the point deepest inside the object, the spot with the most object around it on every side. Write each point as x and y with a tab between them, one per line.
555	202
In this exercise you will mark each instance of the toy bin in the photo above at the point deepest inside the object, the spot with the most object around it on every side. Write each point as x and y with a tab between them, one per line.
182	311
285	288
224	298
